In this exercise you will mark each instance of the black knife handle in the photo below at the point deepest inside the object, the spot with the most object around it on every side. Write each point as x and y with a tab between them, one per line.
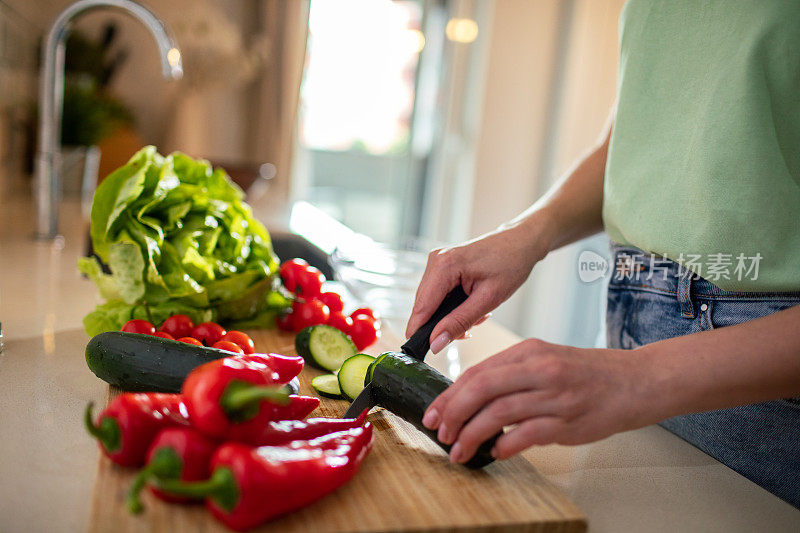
419	343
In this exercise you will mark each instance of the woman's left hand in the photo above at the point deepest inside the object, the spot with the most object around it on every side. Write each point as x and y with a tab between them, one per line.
553	393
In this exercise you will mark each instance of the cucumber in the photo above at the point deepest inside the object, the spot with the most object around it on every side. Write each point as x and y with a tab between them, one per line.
136	362
352	375
406	387
324	347
327	385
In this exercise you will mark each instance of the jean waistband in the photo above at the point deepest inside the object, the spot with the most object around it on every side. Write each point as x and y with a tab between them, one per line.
635	269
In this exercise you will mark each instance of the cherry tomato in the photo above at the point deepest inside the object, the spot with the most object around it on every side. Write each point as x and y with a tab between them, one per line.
332	300
285	321
364	332
290	270
240	339
310	313
177	326
163	335
309	282
340	322
228	346
364	311
208	332
190	340
139	326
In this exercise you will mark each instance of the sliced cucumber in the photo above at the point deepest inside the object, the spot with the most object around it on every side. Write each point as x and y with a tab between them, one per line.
324	347
327	385
353	373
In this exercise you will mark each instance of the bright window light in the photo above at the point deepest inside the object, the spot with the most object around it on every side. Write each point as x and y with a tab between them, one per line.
358	87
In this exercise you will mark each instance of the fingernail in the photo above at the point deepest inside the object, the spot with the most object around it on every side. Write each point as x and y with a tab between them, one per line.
431	419
442	435
440	342
455	453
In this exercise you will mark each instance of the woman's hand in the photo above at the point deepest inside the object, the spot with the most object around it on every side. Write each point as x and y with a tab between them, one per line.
492	267
489	268
553	393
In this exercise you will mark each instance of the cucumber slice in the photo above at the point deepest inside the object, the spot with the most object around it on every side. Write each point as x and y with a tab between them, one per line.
324	346
353	373
327	385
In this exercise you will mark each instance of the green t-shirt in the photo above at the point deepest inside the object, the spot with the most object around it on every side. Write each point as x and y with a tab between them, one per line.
704	161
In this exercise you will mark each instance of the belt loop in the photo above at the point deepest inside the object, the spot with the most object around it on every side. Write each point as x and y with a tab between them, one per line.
685	293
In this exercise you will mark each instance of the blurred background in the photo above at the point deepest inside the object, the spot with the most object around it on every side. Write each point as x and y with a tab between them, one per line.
409	122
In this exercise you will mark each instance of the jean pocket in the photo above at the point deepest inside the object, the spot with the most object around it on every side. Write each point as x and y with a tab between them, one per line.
706	316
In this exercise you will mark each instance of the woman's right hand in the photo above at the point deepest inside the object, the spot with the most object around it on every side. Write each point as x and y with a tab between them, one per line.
489	268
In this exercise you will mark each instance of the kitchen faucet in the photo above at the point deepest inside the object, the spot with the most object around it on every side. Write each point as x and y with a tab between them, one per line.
51	98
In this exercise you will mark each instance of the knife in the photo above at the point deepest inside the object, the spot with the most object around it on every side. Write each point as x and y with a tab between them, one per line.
416	346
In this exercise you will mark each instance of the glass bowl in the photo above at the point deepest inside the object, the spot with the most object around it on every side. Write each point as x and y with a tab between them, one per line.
382	277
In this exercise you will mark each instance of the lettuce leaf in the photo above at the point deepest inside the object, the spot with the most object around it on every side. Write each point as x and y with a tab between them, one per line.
113	314
177	234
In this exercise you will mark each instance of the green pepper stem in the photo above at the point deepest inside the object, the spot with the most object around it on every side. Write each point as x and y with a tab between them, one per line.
133	502
221	487
240	395
107	432
165	464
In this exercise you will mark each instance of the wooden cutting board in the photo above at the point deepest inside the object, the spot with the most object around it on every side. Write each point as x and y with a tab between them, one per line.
405	484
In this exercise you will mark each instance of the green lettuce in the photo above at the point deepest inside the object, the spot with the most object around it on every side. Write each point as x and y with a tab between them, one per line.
178	237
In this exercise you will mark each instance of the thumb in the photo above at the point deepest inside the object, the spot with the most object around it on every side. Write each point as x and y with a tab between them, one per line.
456	323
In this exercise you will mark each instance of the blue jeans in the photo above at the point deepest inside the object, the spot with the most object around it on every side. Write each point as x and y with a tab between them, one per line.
760	441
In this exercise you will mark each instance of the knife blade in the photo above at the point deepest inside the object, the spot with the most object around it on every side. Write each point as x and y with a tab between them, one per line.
364	400
416	346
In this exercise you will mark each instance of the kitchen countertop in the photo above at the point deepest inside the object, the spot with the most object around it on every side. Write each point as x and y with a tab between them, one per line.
643	480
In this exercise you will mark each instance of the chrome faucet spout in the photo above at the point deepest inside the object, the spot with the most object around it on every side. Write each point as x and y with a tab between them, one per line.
51	98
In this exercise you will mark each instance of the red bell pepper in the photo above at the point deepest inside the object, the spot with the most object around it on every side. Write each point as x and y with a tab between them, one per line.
249	431
249	486
184	453
131	421
274	433
226	393
285	367
176	453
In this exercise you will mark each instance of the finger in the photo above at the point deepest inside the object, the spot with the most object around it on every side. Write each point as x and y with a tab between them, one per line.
472	396
468	333
490	420
483	319
536	431
463	317
432	417
436	282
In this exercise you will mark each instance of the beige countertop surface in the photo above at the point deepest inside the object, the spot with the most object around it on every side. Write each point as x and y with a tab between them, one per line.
643	480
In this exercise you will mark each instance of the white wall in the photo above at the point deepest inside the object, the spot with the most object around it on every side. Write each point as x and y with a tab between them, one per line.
550	85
